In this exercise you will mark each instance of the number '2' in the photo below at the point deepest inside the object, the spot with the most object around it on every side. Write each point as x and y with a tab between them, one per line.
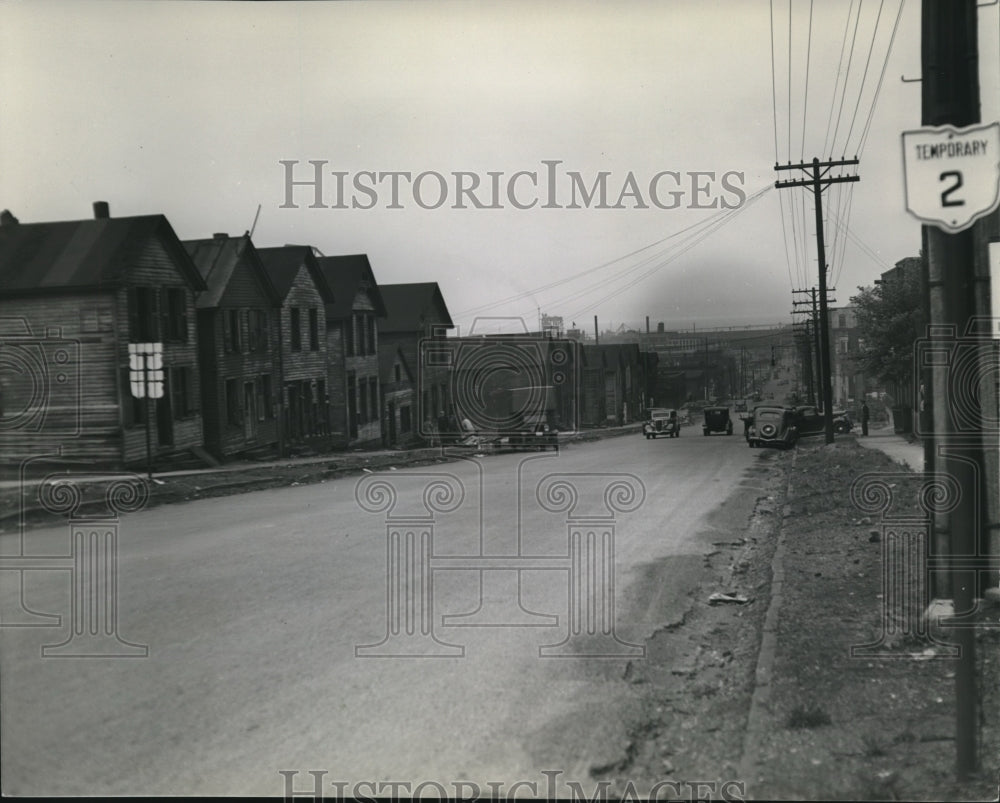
945	200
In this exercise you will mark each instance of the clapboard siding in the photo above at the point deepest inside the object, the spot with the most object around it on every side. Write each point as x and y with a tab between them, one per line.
257	425
60	387
151	266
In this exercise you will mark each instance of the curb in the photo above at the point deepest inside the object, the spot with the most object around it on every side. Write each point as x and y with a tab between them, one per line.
760	702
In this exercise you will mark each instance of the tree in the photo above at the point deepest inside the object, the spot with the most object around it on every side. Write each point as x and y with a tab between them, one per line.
890	319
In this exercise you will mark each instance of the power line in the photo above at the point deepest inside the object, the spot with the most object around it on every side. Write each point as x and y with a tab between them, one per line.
878	88
843	95
864	75
805	93
836	83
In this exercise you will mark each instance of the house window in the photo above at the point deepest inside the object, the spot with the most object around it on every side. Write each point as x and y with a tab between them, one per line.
313	329
352	405
233	342
349	337
182	400
370	320
234	410
363	402
176	321
373	399
144	312
296	325
404	418
842	321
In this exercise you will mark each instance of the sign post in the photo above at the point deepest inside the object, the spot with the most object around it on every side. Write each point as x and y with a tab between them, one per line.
145	362
952	175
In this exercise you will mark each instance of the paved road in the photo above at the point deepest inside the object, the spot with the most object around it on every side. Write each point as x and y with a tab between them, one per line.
253	608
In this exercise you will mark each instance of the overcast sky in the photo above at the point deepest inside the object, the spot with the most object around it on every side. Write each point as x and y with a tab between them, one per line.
189	109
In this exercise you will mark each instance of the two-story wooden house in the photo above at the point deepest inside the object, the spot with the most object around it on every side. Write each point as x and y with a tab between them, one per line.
302	343
238	347
353	334
75	295
417	312
399	408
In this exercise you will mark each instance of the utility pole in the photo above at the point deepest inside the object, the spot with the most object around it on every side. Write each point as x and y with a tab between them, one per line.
950	96
818	181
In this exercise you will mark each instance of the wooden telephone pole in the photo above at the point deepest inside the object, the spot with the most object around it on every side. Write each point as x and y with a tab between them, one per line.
950	96
817	182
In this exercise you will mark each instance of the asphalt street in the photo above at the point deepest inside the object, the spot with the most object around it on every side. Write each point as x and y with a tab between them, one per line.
468	621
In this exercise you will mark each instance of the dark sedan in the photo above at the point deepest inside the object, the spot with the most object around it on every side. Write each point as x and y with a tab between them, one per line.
772	426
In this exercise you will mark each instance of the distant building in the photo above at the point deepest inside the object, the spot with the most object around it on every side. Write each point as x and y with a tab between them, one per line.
417	313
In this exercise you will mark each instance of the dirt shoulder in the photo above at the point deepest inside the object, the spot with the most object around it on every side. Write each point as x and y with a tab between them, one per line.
761	691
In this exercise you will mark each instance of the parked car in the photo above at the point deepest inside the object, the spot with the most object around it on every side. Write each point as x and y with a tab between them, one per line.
772	425
717	420
661	421
809	420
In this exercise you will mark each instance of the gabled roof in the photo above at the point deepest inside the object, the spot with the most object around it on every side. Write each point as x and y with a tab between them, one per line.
387	356
411	307
347	275
83	254
283	263
217	259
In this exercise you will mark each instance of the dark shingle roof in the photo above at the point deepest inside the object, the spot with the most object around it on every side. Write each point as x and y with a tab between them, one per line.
411	307
83	254
282	265
347	275
217	259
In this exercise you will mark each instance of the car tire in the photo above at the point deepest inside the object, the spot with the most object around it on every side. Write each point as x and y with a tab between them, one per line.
704	432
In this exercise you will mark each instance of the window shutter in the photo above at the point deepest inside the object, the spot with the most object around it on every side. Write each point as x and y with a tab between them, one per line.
160	321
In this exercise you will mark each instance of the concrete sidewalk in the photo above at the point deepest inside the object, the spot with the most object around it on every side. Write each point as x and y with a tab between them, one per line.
898	447
356	458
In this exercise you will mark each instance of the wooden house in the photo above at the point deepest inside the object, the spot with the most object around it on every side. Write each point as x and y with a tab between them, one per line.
302	345
75	295
238	347
399	408
352	321
417	312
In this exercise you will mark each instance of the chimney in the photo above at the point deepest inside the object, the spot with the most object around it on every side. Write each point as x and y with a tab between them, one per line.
220	235
101	210
7	219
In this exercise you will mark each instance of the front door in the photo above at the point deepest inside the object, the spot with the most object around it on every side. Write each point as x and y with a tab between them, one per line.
391	412
164	415
249	411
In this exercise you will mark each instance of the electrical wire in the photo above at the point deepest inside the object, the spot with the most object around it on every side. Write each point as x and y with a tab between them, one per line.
864	75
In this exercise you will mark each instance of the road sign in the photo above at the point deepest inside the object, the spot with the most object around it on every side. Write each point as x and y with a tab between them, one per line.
952	175
145	363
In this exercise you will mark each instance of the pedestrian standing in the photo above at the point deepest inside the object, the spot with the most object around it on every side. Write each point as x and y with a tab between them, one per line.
864	417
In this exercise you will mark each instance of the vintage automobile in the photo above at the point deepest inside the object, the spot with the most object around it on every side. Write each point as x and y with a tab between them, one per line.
809	421
772	426
661	421
717	420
